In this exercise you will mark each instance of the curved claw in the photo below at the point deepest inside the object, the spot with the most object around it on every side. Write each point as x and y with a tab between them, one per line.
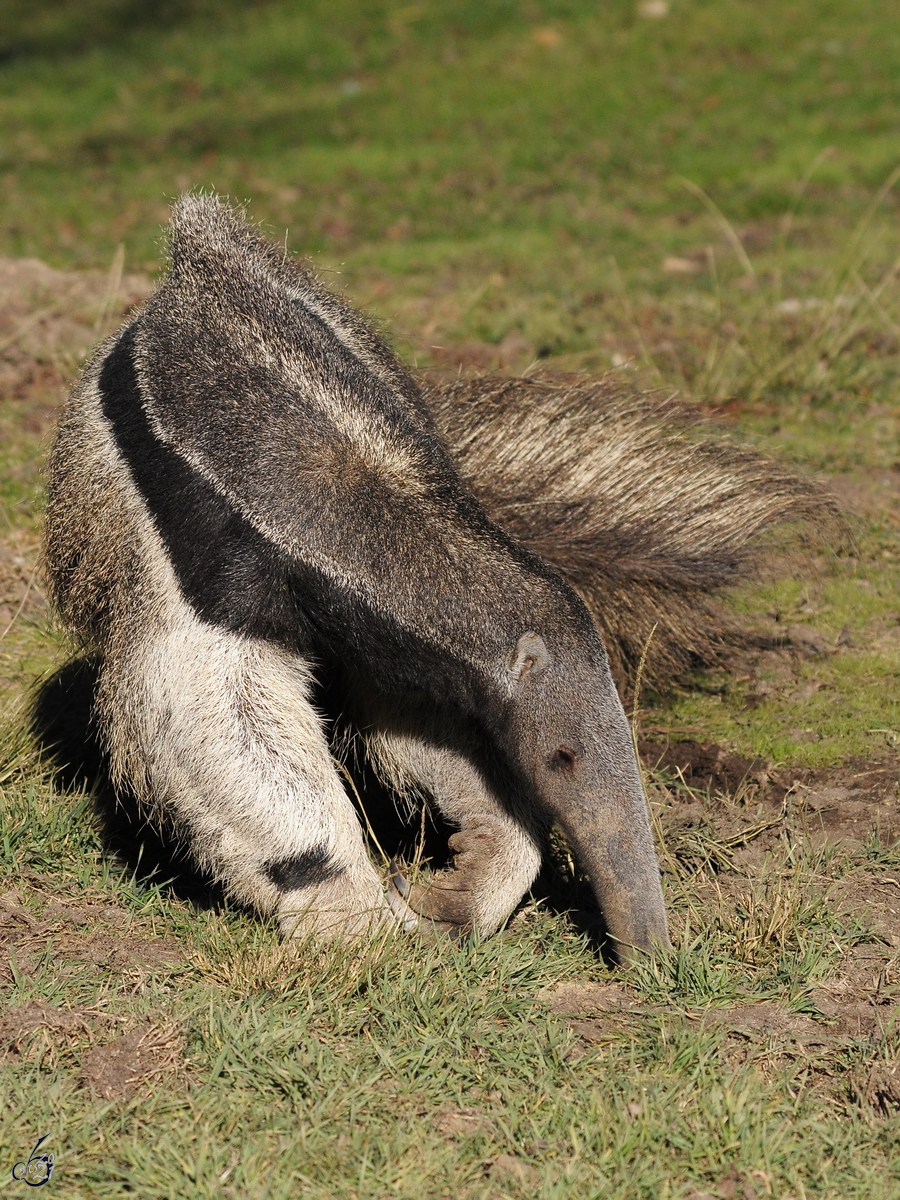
399	892
399	880
397	906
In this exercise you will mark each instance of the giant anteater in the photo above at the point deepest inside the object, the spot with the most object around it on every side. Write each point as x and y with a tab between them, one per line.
248	491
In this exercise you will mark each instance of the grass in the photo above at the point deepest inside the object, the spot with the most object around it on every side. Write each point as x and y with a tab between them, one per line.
703	201
527	118
389	1073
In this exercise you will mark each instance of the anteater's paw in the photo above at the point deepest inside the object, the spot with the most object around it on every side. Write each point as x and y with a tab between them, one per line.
429	909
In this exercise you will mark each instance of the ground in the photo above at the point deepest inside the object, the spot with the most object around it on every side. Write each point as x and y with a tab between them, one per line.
529	208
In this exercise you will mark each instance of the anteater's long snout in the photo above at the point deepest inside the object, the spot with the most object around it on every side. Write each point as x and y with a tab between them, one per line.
607	823
623	869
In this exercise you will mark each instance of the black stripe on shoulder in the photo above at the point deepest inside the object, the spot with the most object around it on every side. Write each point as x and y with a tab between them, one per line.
304	870
230	574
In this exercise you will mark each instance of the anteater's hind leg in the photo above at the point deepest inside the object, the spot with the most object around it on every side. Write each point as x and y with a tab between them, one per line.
215	733
497	850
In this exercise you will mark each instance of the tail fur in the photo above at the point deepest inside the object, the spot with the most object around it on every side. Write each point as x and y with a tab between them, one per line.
648	511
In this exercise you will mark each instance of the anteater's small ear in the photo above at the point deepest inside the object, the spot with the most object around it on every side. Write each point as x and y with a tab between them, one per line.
530	655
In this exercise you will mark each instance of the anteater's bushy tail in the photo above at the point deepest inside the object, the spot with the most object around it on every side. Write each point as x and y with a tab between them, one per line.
647	510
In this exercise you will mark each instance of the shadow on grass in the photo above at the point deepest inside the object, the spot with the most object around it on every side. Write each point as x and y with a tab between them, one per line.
60	28
65	732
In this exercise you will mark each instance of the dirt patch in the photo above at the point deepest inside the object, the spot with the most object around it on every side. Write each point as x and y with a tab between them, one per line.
575	999
844	1029
703	766
21	593
595	1031
47	1034
868	494
861	1001
878	1088
49	320
743	800
738	832
506	1169
737	1185
116	953
123	1066
838	1017
62	938
770	1021
873	897
67	935
80	915
596	1012
464	1123
19	1023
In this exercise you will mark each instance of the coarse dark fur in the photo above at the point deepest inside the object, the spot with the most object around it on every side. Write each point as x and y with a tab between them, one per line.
247	489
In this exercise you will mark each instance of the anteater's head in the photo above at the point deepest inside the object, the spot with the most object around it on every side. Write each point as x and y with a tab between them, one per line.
572	741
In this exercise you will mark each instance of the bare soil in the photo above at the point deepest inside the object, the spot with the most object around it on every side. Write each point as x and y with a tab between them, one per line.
49	321
37	933
120	1068
849	801
73	935
113	1067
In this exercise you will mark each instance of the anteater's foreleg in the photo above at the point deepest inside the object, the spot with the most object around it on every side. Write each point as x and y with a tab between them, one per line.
218	734
497	847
